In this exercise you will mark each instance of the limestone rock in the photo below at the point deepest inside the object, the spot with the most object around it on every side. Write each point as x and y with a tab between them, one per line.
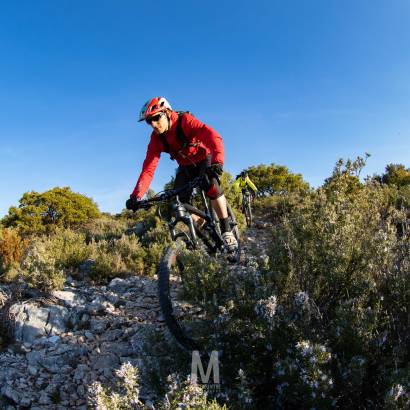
32	321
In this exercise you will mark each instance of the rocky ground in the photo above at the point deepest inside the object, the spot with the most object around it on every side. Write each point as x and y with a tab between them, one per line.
63	342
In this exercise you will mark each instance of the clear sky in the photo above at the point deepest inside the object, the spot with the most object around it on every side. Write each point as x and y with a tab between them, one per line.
298	83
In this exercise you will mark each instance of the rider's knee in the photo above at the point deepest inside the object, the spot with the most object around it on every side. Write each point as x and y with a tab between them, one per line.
214	192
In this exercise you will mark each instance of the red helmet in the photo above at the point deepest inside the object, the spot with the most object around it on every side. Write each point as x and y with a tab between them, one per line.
154	106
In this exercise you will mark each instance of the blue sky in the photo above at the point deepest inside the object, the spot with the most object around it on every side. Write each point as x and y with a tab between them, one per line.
297	83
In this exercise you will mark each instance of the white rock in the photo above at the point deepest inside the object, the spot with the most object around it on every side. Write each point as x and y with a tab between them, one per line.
69	297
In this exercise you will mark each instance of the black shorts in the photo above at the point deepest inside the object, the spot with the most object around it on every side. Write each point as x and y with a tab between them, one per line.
186	173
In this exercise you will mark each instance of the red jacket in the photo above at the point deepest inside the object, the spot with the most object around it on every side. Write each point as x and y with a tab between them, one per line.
210	142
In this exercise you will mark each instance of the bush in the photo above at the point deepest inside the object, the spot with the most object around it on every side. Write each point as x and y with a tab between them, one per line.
396	174
49	257
117	257
155	240
106	227
42	213
38	268
326	322
68	248
65	250
12	248
275	179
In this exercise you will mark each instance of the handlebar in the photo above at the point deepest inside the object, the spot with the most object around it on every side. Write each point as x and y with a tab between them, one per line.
166	195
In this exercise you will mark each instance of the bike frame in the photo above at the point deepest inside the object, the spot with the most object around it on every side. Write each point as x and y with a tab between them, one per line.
183	213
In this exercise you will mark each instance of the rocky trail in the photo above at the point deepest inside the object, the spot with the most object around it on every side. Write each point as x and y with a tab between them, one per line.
61	343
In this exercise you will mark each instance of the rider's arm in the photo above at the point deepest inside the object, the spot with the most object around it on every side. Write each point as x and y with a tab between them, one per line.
251	185
209	137
148	168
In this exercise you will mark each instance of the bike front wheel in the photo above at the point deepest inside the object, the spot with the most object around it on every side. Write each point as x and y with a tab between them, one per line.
171	264
248	215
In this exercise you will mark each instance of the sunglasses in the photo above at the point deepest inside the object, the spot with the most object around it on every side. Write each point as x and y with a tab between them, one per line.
155	118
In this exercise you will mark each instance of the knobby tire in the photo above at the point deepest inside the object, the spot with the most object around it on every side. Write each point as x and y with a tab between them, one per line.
248	215
167	263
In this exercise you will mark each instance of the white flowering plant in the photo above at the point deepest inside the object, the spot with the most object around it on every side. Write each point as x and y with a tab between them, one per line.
124	395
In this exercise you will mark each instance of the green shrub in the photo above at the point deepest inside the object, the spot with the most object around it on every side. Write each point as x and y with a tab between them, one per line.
68	248
274	179
396	174
152	258
105	227
132	253
48	257
155	241
117	258
38	268
158	232
40	213
143	220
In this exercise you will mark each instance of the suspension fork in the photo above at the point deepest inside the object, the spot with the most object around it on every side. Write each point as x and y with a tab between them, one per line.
181	214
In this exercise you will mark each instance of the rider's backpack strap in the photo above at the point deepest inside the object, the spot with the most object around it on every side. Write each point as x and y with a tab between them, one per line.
185	142
179	131
180	136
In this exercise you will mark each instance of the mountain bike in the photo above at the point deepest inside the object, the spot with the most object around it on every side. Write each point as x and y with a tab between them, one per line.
246	207
207	236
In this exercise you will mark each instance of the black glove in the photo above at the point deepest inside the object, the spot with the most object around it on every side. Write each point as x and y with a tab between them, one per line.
215	169
132	203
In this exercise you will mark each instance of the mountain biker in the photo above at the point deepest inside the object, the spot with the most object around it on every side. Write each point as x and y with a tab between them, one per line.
198	150
245	184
